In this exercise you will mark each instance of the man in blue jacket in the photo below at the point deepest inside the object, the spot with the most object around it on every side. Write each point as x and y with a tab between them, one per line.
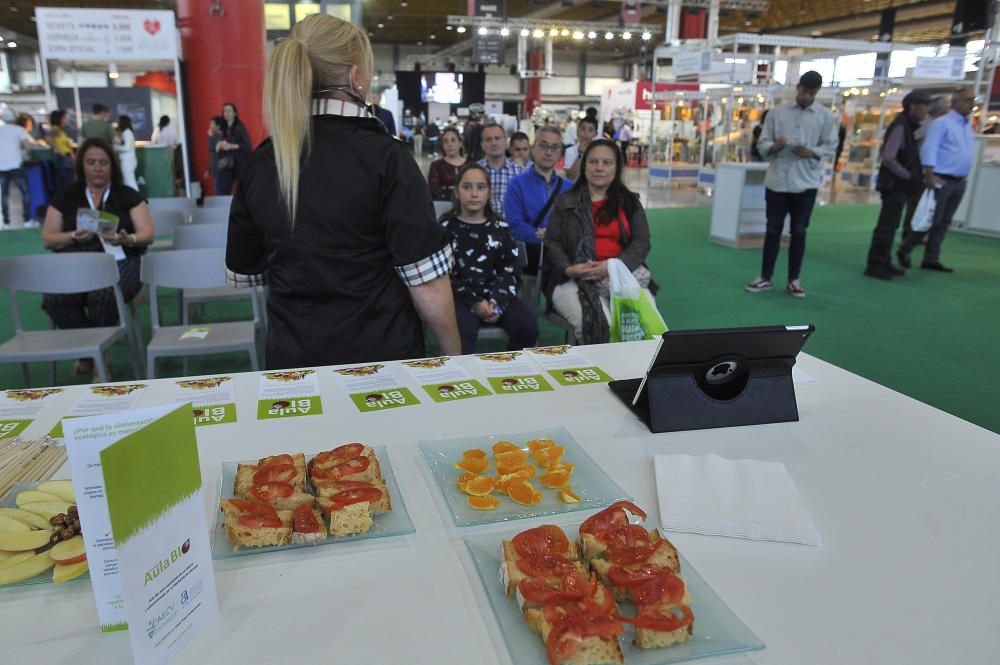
531	196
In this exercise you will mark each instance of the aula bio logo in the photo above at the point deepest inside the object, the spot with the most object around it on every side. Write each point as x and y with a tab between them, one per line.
167	561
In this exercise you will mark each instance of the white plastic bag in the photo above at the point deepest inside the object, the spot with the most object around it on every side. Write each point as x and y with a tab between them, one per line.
923	217
633	316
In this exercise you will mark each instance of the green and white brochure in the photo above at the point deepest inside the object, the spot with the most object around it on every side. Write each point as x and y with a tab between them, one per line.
444	380
374	388
212	399
567	365
144	526
511	373
96	400
288	394
18	408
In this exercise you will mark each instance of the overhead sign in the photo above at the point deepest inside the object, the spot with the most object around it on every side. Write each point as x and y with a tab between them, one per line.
109	35
631	12
944	68
708	67
644	92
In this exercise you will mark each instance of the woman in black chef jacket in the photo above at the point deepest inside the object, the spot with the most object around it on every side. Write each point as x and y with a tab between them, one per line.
98	186
337	214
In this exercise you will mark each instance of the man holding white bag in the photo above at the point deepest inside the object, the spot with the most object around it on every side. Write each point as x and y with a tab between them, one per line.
946	155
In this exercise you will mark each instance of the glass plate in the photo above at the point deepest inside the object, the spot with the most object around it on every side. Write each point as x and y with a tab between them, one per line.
595	488
717	631
10	501
394	523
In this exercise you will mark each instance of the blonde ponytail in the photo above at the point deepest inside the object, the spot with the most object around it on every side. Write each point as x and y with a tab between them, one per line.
317	53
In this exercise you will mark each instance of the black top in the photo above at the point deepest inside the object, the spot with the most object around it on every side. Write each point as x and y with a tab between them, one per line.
486	262
120	202
363	209
237	133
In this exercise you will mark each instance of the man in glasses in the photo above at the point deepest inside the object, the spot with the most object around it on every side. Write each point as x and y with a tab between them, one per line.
946	155
530	196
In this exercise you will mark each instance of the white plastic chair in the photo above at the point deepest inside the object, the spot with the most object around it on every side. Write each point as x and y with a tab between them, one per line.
63	274
218	202
210	216
441	207
553	317
192	269
201	236
181	204
164	223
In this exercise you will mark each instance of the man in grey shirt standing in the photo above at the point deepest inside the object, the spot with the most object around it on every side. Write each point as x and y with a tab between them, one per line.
798	137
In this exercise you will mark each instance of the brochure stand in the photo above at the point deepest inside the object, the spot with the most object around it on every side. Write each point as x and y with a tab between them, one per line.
701	379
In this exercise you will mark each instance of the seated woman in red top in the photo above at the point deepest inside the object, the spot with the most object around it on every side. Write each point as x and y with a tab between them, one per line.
598	219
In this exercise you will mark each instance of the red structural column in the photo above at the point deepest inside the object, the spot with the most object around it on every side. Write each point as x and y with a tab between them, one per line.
533	87
694	23
224	57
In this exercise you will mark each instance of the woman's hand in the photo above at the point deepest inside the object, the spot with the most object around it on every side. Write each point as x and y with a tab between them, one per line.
118	239
589	271
578	270
485	311
82	235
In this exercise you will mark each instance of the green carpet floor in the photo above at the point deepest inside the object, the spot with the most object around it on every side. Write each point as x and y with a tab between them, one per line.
928	335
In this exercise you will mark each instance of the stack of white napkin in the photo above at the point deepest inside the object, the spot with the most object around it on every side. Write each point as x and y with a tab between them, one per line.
712	495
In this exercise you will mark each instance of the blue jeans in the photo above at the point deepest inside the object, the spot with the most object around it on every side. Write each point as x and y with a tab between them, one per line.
798	207
20	179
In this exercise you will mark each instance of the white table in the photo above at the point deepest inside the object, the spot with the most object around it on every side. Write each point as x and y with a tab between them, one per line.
905	496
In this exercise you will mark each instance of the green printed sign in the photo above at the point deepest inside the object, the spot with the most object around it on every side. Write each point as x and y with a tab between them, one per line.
387	399
512	385
456	390
216	414
579	375
289	407
9	428
57	431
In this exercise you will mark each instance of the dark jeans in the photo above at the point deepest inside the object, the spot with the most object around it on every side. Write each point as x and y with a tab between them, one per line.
518	321
224	181
880	251
779	204
947	198
20	179
94	309
534	254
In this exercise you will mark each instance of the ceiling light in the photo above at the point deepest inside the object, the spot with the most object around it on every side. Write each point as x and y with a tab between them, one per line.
564	32
420	43
739	100
577	35
448	27
112	70
388	17
591	35
380	25
525	32
505	31
626	35
483	31
432	36
460	29
554	32
404	3
11	44
538	33
609	35
646	36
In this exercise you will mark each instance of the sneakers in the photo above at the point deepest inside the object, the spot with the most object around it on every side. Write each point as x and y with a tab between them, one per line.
795	289
904	259
758	285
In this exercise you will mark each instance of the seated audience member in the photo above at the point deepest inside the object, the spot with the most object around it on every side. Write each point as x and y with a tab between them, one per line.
520	149
485	275
443	173
597	220
530	196
501	168
98	186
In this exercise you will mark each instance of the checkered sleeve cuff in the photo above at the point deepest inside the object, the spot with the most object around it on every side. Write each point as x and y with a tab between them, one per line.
237	281
427	269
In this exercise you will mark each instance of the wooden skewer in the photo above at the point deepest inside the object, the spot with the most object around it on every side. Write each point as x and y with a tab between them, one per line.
32	470
58	460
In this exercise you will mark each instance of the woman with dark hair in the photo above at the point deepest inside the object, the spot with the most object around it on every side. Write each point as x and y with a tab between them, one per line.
98	187
443	173
598	219
165	134
126	152
216	130
486	273
233	151
62	145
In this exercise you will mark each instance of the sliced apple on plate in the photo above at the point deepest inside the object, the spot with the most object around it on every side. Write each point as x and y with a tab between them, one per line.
68	551
26	569
47	509
31	496
61	488
15	558
11	525
64	572
31	519
21	542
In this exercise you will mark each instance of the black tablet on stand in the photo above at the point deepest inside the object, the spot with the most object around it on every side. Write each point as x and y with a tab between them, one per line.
724	377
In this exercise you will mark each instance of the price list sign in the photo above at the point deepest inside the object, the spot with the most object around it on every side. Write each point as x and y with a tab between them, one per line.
106	34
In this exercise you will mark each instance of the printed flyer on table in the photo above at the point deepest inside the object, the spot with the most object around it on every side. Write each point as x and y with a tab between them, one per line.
98	400
289	394
374	388
568	366
444	380
18	408
510	373
212	399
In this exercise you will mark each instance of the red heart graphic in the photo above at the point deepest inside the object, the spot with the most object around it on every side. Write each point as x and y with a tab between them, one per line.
152	27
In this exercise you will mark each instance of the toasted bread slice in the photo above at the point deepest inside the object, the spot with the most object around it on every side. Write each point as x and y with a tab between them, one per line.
600	595
294	501
242	536
299	460
355	518
595	549
327	488
646	638
511	575
591	651
309	537
665	556
373	472
245	473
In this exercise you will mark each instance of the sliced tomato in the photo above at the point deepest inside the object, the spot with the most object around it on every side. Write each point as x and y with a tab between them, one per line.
272	491
613	514
653	618
305	520
339	454
665	588
602	626
626	535
243	505
275	473
630	555
260	521
277	459
631	577
545	565
545	539
563	643
541	590
351	467
357	495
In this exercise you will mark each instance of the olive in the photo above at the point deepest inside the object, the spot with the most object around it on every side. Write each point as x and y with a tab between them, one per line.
57	519
67	534
72	510
55	538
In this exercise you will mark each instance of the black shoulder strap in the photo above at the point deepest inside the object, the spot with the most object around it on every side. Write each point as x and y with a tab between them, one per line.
548	204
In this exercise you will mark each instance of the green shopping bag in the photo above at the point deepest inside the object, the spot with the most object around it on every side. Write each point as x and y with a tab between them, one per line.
633	316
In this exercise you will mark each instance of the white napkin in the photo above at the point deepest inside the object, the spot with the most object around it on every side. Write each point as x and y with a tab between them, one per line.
739	498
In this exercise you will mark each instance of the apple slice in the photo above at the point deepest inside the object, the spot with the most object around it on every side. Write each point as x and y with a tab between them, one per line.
61	488
47	509
31	496
31	519
26	569
11	525
21	542
16	558
65	550
61	572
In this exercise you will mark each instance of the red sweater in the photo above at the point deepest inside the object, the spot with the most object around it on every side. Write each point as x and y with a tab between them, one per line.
608	237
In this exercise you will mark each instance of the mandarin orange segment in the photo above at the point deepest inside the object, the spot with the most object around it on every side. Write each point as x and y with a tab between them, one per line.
463	480
511	458
504	469
562	466
503	447
473	465
546	457
538	444
488	502
567	495
474	453
524	473
554	479
521	491
479	486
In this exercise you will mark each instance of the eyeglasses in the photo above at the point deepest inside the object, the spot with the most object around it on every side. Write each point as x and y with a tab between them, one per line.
548	147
